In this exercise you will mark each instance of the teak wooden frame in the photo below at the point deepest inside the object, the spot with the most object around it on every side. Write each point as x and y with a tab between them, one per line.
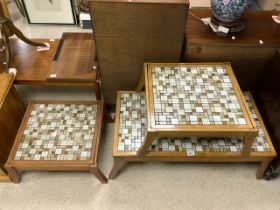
121	158
14	167
248	132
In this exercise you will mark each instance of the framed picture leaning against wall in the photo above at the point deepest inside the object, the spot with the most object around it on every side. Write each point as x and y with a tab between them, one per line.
50	11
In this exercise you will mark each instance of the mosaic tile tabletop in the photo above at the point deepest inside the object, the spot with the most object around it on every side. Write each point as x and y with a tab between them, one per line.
58	132
133	121
195	95
132	131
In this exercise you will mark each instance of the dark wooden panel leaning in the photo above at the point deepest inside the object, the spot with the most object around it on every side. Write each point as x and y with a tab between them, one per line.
129	33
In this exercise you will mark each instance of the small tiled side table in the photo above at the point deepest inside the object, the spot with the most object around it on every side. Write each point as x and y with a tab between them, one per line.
58	136
187	100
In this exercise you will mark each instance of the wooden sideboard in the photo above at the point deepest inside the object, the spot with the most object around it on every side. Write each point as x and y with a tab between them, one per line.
128	33
250	52
11	114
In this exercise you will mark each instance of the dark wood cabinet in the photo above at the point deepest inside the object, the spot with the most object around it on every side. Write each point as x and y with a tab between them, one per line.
11	114
128	33
249	51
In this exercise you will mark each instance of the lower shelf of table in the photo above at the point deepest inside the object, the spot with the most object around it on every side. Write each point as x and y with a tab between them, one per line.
217	156
131	128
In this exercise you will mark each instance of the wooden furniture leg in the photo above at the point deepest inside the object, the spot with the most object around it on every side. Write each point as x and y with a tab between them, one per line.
84	6
108	116
20	7
262	167
248	141
6	45
98	96
147	142
141	83
13	173
97	90
5	8
118	165
99	175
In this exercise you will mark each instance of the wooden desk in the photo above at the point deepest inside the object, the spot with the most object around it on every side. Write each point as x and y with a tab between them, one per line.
248	57
11	114
70	59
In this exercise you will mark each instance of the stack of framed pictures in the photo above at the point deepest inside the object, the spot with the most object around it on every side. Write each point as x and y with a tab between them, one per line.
50	11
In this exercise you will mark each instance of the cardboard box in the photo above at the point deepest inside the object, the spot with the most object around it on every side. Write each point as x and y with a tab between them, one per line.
269	4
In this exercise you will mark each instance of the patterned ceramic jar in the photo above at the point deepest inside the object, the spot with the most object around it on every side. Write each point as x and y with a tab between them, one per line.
228	10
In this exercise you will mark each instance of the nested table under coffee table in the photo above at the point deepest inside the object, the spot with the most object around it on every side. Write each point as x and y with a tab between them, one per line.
58	136
202	100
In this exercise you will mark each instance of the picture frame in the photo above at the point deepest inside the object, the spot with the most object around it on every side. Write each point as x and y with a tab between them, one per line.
50	11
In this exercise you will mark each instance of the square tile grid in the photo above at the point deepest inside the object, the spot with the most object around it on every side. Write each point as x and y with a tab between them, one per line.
58	132
133	129
194	95
133	121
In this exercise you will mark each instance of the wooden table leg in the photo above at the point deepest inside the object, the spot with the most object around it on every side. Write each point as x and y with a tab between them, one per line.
5	8
97	91
13	174
108	116
118	165
99	175
248	141
6	45
141	83
262	167
150	137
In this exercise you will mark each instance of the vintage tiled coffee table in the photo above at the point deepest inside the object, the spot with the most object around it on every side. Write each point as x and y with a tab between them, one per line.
131	128
58	136
201	100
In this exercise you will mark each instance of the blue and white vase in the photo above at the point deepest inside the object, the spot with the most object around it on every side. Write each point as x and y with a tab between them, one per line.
228	10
